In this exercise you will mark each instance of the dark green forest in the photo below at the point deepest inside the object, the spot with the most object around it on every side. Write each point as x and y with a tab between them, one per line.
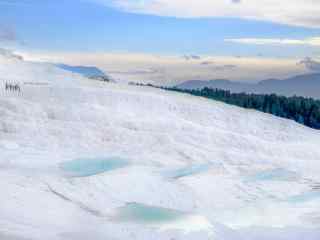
300	109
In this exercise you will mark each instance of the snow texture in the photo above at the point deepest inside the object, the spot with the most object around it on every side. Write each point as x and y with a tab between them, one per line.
230	173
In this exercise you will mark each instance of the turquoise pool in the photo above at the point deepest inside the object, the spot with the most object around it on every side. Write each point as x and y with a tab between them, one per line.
305	197
277	174
140	213
92	166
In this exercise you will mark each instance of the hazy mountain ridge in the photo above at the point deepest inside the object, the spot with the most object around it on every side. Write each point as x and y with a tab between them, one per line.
307	85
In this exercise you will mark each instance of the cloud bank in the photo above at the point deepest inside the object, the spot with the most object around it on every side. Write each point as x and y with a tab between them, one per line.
310	64
170	70
291	12
315	41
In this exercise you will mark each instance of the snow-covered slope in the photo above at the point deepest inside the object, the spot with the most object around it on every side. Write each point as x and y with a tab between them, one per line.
83	159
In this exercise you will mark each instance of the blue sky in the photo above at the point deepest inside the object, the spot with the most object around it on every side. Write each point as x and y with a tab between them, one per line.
94	26
258	39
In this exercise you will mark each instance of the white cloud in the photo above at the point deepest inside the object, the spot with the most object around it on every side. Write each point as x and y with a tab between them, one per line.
276	41
165	70
292	12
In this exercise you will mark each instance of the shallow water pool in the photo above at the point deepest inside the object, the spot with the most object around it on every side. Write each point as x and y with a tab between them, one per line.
277	174
162	218
305	197
135	212
92	166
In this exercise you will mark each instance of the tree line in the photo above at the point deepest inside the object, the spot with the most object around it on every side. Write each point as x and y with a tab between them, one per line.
300	109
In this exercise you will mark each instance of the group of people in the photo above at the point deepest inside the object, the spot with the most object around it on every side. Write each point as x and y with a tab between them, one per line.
13	87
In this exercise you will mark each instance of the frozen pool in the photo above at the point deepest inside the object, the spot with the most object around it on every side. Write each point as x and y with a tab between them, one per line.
92	166
277	174
162	218
187	171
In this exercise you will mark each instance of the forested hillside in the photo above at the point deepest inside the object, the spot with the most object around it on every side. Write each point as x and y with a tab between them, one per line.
303	110
300	109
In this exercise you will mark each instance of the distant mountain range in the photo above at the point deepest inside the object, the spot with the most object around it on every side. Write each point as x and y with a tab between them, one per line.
83	70
307	85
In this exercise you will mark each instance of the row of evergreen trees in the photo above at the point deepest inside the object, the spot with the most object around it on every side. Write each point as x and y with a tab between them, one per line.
300	109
